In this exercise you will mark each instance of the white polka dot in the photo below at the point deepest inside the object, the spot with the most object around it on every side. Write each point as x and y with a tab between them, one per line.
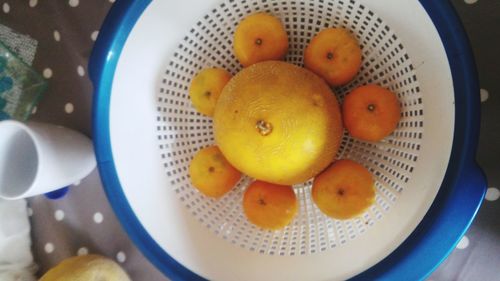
464	243
112	1
34	109
121	257
49	248
33	3
59	215
82	251
80	70
470	1
98	218
73	3
69	108
94	35
30	212
77	183
492	194
47	73
484	95
6	8
57	36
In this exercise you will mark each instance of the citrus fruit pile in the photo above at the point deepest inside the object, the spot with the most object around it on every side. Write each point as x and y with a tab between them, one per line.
282	124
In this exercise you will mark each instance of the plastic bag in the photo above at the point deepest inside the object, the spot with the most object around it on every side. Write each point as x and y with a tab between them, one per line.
20	86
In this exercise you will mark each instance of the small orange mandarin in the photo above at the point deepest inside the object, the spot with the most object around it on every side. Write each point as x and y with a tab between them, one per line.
206	87
335	55
344	190
268	205
260	37
371	113
211	174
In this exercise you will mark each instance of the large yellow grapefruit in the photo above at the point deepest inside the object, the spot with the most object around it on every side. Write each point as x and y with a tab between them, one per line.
278	123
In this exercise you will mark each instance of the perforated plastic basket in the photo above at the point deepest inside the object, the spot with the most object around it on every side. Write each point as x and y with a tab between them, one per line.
146	131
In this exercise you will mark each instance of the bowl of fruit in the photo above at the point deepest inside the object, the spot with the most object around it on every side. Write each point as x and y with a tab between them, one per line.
288	140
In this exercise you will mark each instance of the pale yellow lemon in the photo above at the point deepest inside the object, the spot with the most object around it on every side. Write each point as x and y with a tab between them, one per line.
86	268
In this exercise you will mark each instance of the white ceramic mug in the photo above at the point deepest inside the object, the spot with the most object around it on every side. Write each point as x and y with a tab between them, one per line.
37	158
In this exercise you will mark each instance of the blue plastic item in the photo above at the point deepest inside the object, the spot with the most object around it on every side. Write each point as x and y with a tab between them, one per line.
431	242
57	194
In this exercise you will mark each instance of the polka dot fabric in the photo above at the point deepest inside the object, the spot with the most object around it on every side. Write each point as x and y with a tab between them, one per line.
83	223
492	194
6	8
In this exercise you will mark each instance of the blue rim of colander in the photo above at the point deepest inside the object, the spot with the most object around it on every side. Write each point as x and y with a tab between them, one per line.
449	216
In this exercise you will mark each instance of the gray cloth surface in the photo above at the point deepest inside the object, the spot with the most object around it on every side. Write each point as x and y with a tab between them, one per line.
83	221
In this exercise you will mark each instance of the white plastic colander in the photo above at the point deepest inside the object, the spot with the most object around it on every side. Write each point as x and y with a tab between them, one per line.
152	132
182	131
